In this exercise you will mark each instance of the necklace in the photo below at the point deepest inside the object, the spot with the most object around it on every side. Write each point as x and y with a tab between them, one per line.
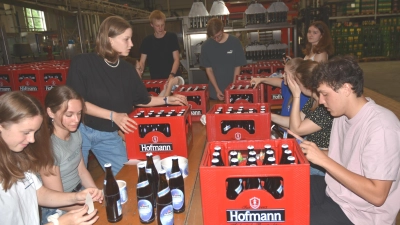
110	64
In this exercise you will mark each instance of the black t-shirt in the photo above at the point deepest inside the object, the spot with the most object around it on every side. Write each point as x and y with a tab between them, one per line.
117	89
159	54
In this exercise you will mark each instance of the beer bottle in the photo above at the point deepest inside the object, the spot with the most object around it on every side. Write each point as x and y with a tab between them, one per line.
176	184
215	162
252	182
284	156
217	155
145	197
291	160
249	149
152	174
112	196
167	130
235	185
233	155
165	211
274	184
253	154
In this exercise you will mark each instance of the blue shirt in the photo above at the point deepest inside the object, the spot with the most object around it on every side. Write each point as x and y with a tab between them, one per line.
286	94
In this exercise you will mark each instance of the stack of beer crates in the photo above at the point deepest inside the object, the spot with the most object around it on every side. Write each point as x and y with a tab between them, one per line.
235	192
34	78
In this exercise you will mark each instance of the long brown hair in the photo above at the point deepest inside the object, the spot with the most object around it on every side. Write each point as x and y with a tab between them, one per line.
14	107
304	73
111	27
324	44
56	98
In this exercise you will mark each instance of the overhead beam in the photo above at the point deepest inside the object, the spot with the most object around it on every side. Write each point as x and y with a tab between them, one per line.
71	6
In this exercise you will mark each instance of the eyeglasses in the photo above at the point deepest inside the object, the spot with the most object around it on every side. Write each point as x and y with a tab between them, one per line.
218	36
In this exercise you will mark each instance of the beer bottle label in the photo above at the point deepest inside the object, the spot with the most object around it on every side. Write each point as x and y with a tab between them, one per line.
142	184
178	198
280	189
175	175
145	209
167	215
239	188
148	170
119	206
163	192
227	127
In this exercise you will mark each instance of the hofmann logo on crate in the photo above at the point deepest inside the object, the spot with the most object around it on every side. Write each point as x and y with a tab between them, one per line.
259	215
162	147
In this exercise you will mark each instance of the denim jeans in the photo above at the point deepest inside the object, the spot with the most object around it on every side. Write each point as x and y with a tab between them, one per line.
46	212
108	147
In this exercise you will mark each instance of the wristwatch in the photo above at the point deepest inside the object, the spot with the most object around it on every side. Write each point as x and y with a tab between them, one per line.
173	74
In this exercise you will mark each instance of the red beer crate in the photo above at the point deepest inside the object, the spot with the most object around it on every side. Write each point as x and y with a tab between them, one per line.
51	77
199	100
28	80
255	126
264	68
247	95
255	206
278	66
247	69
178	142
272	95
154	87
6	79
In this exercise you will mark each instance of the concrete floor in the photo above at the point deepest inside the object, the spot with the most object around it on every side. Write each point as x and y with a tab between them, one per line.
382	84
383	77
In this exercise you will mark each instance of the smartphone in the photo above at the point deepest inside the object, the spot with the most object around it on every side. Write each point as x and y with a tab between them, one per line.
285	57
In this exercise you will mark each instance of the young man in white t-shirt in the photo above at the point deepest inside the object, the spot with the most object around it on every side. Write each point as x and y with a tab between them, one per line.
361	185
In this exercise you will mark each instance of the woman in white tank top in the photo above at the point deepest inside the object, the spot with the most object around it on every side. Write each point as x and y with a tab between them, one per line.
319	42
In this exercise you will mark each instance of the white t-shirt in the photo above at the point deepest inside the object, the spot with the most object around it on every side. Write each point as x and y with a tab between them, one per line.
369	145
19	205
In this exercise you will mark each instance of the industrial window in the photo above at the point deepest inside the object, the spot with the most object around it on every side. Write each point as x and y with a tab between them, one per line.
35	20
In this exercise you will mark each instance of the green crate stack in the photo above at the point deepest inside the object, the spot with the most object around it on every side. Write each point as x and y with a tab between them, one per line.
395	6
391	34
367	7
384	6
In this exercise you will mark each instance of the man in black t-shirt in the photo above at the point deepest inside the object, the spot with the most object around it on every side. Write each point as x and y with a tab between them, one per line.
161	50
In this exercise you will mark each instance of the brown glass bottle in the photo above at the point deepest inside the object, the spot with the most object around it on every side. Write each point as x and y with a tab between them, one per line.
235	185
273	184
152	175
112	196
145	197
165	210
177	186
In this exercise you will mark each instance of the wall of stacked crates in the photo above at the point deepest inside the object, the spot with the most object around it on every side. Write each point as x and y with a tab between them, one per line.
368	38
358	29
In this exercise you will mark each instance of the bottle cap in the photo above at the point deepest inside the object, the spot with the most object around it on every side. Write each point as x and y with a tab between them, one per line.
217	148
107	165
141	166
250	147
149	154
162	171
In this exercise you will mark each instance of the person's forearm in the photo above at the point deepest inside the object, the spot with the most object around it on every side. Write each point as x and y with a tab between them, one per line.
212	79
295	119
49	198
373	191
273	81
235	73
175	66
280	120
